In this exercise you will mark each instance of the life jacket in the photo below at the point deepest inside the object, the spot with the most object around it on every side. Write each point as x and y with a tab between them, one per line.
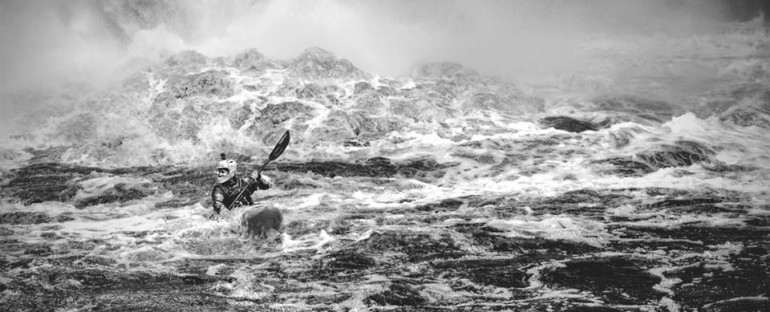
224	194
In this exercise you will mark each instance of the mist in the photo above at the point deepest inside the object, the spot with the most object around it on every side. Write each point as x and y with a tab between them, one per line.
47	43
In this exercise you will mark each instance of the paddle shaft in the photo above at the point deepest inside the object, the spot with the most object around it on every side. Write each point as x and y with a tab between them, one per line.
277	151
247	186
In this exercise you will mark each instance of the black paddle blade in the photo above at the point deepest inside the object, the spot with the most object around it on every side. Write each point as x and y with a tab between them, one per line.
281	146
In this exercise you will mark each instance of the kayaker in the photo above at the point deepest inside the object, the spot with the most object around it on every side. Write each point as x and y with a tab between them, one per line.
229	186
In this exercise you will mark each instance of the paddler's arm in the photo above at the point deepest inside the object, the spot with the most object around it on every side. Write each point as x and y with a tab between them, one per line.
218	199
262	182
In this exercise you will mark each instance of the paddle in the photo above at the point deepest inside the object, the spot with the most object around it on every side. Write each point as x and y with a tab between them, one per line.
277	151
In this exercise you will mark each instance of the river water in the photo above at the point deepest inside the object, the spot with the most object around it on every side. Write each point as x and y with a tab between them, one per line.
634	179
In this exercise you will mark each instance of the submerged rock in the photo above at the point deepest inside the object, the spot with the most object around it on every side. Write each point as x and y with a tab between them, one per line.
746	105
682	154
216	83
589	196
617	280
714	288
361	87
83	186
4	231
119	193
338	264
504	273
700	232
415	246
193	102
274	119
431	108
237	116
310	91
369	102
626	166
748	116
45	182
364	124
373	167
444	205
74	288
275	114
317	63
336	128
568	124
27	217
398	294
177	123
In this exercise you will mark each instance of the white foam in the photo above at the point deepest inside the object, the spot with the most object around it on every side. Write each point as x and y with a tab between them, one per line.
312	242
554	227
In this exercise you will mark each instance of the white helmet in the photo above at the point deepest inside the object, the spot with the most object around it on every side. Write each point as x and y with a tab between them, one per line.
231	167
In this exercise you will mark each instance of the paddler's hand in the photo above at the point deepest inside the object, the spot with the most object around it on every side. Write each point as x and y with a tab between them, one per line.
218	216
255	175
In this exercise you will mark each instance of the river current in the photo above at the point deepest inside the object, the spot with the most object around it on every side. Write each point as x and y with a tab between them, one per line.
638	183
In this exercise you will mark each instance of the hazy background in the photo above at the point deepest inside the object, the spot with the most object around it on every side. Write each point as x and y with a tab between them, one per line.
46	43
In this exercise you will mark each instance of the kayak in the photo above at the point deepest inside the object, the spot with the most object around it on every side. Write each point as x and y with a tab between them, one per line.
261	223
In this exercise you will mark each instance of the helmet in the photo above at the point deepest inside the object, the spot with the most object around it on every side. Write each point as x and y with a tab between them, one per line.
231	167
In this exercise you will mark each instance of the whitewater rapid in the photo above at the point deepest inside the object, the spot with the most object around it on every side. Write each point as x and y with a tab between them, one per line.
445	187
